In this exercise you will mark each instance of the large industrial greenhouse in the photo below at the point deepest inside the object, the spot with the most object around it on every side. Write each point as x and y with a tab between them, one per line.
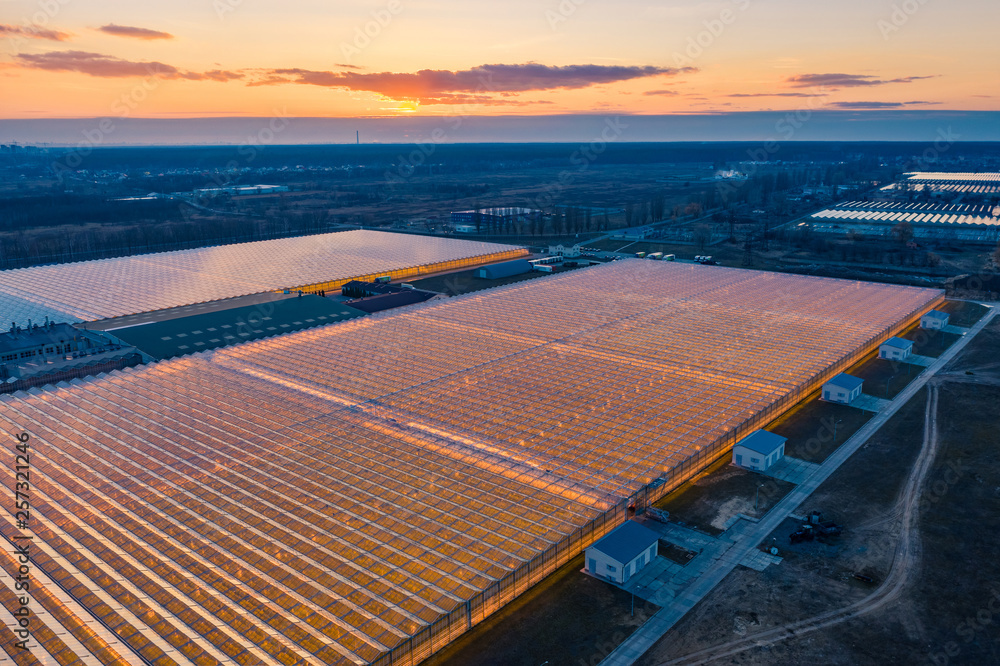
365	492
927	220
958	183
91	290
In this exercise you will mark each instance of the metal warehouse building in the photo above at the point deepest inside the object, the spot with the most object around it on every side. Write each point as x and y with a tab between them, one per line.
505	269
353	494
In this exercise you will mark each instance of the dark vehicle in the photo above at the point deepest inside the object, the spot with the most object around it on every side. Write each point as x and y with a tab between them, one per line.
805	533
815	528
829	528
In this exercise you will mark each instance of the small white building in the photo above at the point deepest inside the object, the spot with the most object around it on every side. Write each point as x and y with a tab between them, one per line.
568	251
623	553
843	388
935	320
759	450
896	349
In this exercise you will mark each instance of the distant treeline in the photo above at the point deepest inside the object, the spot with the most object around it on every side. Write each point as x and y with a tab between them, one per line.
469	155
62	209
20	249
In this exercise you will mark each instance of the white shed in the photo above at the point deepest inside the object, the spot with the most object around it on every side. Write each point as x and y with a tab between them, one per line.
623	553
759	450
896	349
843	388
935	319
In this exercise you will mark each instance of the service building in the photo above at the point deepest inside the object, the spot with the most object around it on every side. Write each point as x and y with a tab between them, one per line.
934	320
843	388
623	553
759	450
896	349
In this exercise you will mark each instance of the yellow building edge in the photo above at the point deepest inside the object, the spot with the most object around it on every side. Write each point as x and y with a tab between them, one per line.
415	271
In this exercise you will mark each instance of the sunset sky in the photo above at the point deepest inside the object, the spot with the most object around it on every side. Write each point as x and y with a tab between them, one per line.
203	58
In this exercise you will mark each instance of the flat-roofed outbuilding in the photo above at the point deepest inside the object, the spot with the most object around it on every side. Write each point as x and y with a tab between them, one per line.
623	553
896	349
759	450
843	388
935	320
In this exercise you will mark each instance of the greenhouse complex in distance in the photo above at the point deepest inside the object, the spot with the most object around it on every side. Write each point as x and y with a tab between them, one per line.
92	290
351	494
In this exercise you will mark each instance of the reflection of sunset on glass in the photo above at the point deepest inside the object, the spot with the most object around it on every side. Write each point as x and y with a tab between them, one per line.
393	57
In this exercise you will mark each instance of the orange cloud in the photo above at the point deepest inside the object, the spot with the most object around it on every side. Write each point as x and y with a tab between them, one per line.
133	32
845	80
879	105
781	94
431	86
97	64
33	32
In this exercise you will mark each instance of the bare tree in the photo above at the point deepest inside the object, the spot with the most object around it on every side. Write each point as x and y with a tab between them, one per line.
903	232
702	236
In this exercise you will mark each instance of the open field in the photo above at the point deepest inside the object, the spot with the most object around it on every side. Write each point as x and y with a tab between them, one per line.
567	619
963	313
944	610
885	379
815	428
981	359
708	501
929	342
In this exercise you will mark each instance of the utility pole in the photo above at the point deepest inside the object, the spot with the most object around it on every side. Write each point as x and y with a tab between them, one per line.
748	249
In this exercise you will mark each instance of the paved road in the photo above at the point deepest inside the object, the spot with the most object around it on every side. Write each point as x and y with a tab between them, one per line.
648	634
